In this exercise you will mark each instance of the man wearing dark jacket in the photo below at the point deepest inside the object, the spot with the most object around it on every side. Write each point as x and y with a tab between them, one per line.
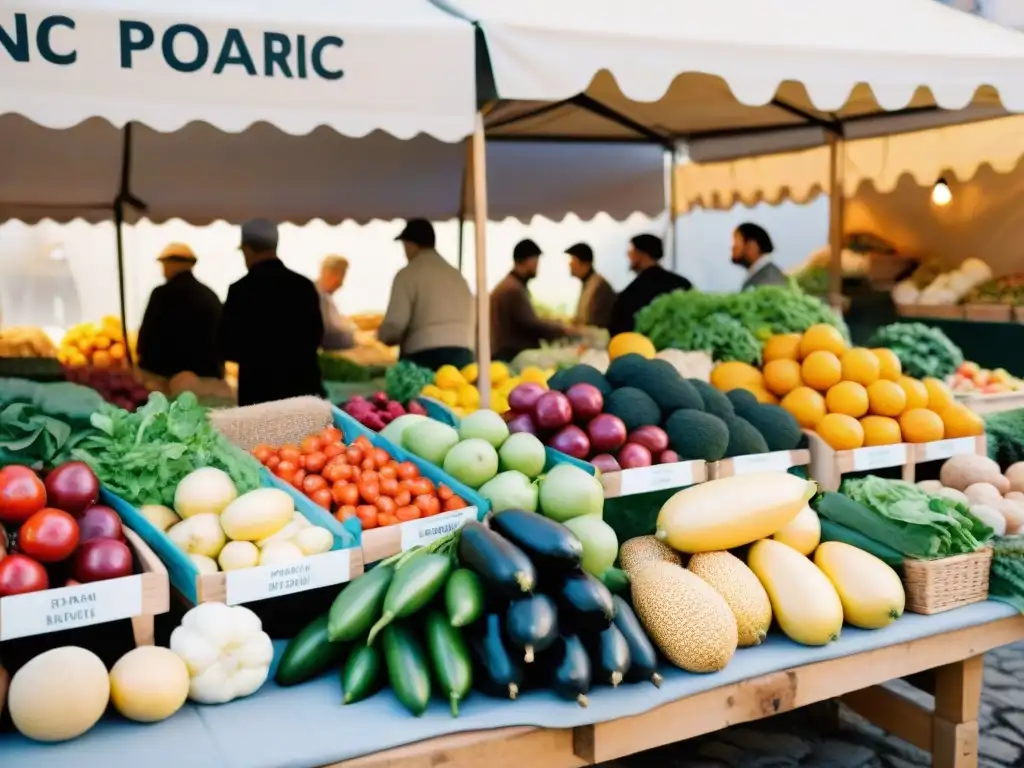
597	297
515	325
179	329
272	326
752	249
651	281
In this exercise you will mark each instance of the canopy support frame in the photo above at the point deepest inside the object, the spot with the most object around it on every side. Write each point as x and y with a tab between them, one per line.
124	197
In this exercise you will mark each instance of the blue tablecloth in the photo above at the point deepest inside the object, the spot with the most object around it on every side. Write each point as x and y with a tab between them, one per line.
308	726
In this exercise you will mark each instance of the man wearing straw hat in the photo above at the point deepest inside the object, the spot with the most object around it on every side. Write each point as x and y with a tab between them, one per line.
179	328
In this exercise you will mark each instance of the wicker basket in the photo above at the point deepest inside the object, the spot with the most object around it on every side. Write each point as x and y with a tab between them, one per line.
276	423
934	586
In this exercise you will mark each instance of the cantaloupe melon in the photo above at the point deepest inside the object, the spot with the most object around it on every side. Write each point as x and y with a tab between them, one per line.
640	551
733	580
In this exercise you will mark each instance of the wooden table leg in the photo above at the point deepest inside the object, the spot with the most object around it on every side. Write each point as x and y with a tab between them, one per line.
957	701
144	629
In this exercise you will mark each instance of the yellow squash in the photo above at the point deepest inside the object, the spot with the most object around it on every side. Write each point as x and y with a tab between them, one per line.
870	590
802	533
732	512
804	602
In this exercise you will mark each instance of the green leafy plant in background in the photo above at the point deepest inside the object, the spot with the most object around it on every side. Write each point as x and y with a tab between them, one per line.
405	380
922	350
41	423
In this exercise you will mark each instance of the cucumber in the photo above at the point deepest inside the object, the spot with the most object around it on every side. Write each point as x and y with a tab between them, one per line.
463	597
831	531
609	656
308	654
584	604
449	658
568	669
499	673
643	659
617	581
359	605
362	676
496	560
414	585
532	625
548	544
407	667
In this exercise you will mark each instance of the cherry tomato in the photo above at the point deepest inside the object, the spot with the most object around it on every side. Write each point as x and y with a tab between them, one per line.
302	461
367	516
369	476
273	461
22	494
315	462
444	492
369	490
312	484
298	479
392	464
363	443
310	445
49	536
289	453
330	436
369	464
346	512
322	497
332	473
402	496
408	512
354	454
388	471
262	453
333	449
427	504
380	457
388	486
386	520
386	505
455	502
407	470
286	470
345	494
20	574
420	486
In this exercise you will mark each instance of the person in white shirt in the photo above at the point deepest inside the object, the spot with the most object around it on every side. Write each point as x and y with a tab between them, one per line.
752	249
339	332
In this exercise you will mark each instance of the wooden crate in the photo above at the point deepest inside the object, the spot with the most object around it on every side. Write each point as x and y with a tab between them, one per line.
660	477
985	404
937	311
381	543
828	466
776	461
1018	314
140	597
989	313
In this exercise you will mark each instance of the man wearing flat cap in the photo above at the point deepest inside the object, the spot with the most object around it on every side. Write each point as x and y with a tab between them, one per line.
431	315
597	297
272	326
515	326
651	281
179	327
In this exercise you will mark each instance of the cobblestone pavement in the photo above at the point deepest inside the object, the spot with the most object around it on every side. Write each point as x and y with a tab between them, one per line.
790	741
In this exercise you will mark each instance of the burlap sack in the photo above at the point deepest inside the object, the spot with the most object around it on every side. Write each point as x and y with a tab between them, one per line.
283	421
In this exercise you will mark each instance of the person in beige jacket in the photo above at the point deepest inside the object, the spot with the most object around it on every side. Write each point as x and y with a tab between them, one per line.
430	314
597	297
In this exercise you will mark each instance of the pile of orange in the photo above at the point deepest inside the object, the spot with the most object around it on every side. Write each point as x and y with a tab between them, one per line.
851	396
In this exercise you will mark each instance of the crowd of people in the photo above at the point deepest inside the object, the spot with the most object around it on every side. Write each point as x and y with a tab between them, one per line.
274	321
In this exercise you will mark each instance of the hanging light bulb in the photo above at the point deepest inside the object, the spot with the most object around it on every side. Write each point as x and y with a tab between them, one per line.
941	194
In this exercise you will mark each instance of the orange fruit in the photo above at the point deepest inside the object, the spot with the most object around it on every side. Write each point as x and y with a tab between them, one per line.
960	421
762	394
806	406
842	432
782	376
782	346
822	338
881	430
940	396
921	425
890	366
916	392
847	397
860	365
735	375
886	398
821	370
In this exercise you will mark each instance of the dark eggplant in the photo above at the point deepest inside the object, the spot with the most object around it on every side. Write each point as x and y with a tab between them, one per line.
584	604
497	672
547	543
609	656
567	668
532	624
496	560
643	658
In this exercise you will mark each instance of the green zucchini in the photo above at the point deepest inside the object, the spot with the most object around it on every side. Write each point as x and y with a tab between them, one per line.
359	605
361	677
831	531
408	671
449	658
463	597
415	584
617	581
308	654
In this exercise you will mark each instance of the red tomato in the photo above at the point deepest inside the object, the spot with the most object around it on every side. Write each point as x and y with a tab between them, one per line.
333	449
262	453
388	471
22	494
386	520
330	436
345	494
289	453
315	462
298	478
322	497
369	490
346	512
388	486
402	497
335	471
273	461
313	483
444	492
367	516
286	470
407	470
363	443
386	505
310	445
368	464
406	513
427	504
20	574
455	502
354	455
380	457
49	536
420	486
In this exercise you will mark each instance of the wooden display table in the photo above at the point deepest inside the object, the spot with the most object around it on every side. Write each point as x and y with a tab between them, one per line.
949	731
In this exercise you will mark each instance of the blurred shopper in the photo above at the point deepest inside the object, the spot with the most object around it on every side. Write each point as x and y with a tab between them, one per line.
430	315
651	281
271	325
515	326
752	249
597	297
339	332
180	326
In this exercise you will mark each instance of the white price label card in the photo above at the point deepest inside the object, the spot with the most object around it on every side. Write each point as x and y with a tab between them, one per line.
880	456
417	533
656	478
945	449
250	584
38	613
776	461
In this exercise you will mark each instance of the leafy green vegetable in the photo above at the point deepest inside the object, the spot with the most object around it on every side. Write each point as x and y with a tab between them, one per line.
142	456
405	380
1005	433
922	350
340	368
1006	579
41	423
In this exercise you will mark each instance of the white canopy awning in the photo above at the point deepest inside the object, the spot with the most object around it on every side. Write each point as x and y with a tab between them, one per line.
693	70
